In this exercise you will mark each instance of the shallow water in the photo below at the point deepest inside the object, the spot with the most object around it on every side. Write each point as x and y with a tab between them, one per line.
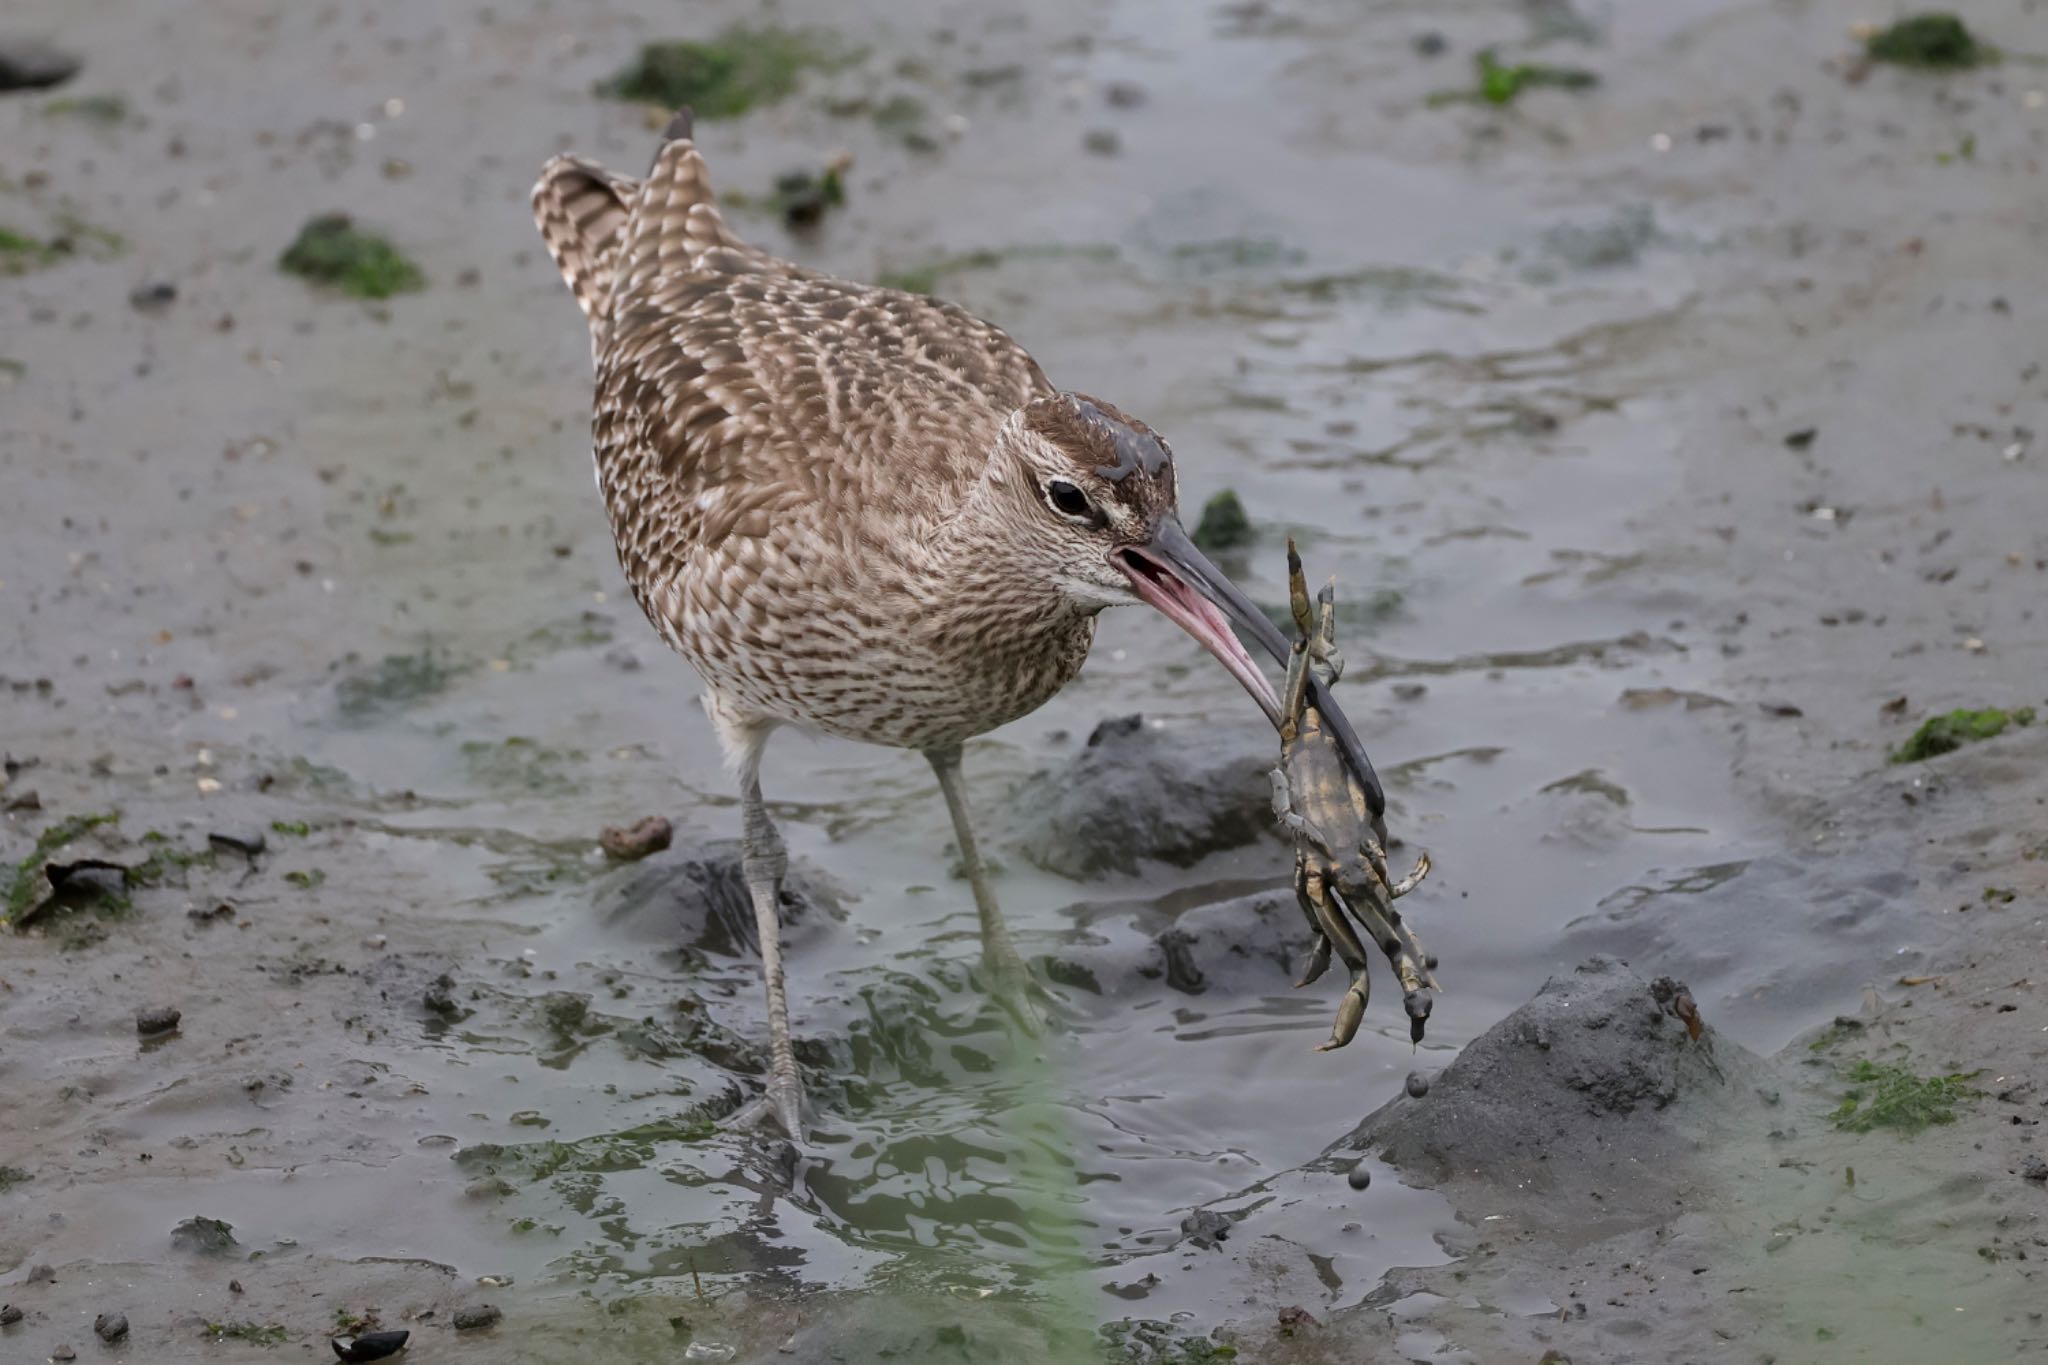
1451	354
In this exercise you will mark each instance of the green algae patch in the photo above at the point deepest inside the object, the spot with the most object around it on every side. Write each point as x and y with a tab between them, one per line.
1889	1096
630	1149
255	1333
1935	41
21	253
1945	734
1224	525
331	250
399	681
25	885
104	110
1500	84
721	77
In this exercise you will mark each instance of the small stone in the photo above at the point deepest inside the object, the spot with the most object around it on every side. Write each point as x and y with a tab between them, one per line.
2034	1169
110	1326
234	1286
207	1236
632	843
1802	438
1430	44
153	297
1359	1177
478	1316
157	1019
1206	1228
247	842
9	1315
63	1353
26	64
1296	1317
1418	1085
1124	94
369	1346
1102	142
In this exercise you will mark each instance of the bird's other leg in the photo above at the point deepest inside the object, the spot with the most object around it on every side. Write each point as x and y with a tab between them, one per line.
763	862
997	951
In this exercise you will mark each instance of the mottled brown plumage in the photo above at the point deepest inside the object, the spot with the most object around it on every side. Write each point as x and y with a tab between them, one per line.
854	509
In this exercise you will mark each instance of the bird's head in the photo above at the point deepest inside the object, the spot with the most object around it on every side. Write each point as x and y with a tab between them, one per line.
1094	492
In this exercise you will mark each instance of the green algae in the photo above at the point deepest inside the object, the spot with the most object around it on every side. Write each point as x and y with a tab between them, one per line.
1500	84
396	682
721	77
1946	733
331	250
1224	525
1936	41
25	886
1891	1096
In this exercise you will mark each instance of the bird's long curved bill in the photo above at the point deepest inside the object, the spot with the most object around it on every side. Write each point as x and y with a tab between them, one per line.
1170	574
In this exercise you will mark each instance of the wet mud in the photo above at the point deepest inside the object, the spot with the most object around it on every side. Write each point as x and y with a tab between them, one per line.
1673	438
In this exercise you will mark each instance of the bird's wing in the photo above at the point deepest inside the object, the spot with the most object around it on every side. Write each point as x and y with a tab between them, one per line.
733	400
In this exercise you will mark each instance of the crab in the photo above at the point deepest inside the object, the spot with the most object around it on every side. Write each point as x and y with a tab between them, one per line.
1340	860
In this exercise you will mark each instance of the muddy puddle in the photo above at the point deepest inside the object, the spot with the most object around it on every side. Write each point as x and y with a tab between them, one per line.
1529	381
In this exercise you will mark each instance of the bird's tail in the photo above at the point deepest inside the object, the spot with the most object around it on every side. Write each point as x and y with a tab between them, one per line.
582	210
674	219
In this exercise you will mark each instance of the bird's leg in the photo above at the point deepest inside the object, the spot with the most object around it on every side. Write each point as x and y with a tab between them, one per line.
1011	979
764	862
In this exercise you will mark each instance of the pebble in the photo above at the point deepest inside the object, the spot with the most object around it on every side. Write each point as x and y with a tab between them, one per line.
482	1315
247	842
1430	44
1102	142
369	1346
1418	1085
2034	1169
634	842
1124	94
110	1326
63	1353
157	1019
1360	1177
9	1315
153	297
26	64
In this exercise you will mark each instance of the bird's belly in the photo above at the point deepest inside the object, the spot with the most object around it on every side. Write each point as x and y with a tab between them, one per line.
893	688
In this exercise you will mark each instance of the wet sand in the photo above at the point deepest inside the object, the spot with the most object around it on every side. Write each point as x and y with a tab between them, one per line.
1536	384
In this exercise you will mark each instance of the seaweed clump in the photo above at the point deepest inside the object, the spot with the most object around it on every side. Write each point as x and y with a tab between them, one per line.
1501	84
1947	733
1938	40
1889	1096
333	251
1224	524
720	77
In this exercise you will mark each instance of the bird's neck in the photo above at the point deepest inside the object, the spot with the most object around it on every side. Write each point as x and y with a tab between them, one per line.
982	570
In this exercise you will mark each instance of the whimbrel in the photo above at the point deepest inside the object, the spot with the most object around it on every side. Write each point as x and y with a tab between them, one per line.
858	511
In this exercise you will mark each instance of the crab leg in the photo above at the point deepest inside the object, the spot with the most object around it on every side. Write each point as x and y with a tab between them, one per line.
1321	898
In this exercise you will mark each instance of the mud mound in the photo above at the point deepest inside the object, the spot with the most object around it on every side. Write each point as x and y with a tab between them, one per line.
1595	1089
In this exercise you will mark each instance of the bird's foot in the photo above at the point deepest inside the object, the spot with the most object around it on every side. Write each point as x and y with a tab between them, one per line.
780	1106
1010	983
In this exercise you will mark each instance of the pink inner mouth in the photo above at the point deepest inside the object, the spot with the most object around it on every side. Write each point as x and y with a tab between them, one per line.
1164	589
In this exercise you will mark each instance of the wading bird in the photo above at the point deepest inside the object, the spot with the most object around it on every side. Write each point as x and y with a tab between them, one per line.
859	511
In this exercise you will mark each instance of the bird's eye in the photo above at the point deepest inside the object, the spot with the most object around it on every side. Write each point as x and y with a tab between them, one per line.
1068	500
